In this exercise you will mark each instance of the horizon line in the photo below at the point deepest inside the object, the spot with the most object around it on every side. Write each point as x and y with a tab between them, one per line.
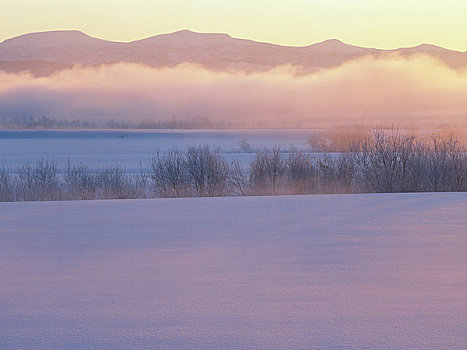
229	35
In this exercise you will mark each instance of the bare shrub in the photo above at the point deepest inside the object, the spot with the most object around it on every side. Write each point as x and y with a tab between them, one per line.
245	146
238	179
302	175
113	183
345	174
328	174
447	164
418	167
169	174
266	171
79	182
38	181
141	181
397	163
207	171
382	159
6	185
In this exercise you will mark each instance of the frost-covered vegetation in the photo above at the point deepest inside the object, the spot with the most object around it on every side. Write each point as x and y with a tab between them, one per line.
378	162
53	123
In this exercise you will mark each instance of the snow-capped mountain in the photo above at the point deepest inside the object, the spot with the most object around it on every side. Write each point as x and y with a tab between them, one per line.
46	52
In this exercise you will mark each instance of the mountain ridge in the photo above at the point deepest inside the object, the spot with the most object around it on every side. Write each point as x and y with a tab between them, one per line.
215	51
191	32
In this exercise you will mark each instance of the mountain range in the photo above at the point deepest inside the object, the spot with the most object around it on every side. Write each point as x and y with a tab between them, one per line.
46	52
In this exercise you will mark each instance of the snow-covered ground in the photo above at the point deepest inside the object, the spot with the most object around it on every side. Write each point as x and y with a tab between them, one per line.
331	271
127	148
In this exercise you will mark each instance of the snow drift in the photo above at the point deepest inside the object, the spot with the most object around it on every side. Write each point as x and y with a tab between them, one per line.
333	272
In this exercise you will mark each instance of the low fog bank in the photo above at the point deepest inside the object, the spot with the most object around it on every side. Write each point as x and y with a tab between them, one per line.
418	91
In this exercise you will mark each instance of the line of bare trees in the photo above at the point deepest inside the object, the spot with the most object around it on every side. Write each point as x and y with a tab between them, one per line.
379	162
42	181
392	162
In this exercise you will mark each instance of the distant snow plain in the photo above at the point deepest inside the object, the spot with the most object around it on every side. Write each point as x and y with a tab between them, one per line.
370	271
127	148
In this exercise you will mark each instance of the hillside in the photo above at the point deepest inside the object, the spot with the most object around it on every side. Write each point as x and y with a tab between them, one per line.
383	271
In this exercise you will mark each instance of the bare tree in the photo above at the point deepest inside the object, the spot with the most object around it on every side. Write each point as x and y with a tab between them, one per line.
169	174
79	182
382	159
385	161
345	174
238	178
301	173
207	171
267	170
113	183
39	181
448	164
6	185
141	180
245	146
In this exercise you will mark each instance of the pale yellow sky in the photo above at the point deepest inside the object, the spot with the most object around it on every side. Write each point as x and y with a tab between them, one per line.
370	23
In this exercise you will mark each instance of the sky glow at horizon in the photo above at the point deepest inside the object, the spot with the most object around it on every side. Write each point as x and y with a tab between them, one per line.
368	23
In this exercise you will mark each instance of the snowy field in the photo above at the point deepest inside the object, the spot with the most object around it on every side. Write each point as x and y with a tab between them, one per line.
127	148
329	272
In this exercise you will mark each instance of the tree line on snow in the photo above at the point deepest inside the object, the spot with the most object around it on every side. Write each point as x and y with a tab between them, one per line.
378	163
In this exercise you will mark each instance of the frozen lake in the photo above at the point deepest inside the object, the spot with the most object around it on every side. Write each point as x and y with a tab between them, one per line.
128	147
305	272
